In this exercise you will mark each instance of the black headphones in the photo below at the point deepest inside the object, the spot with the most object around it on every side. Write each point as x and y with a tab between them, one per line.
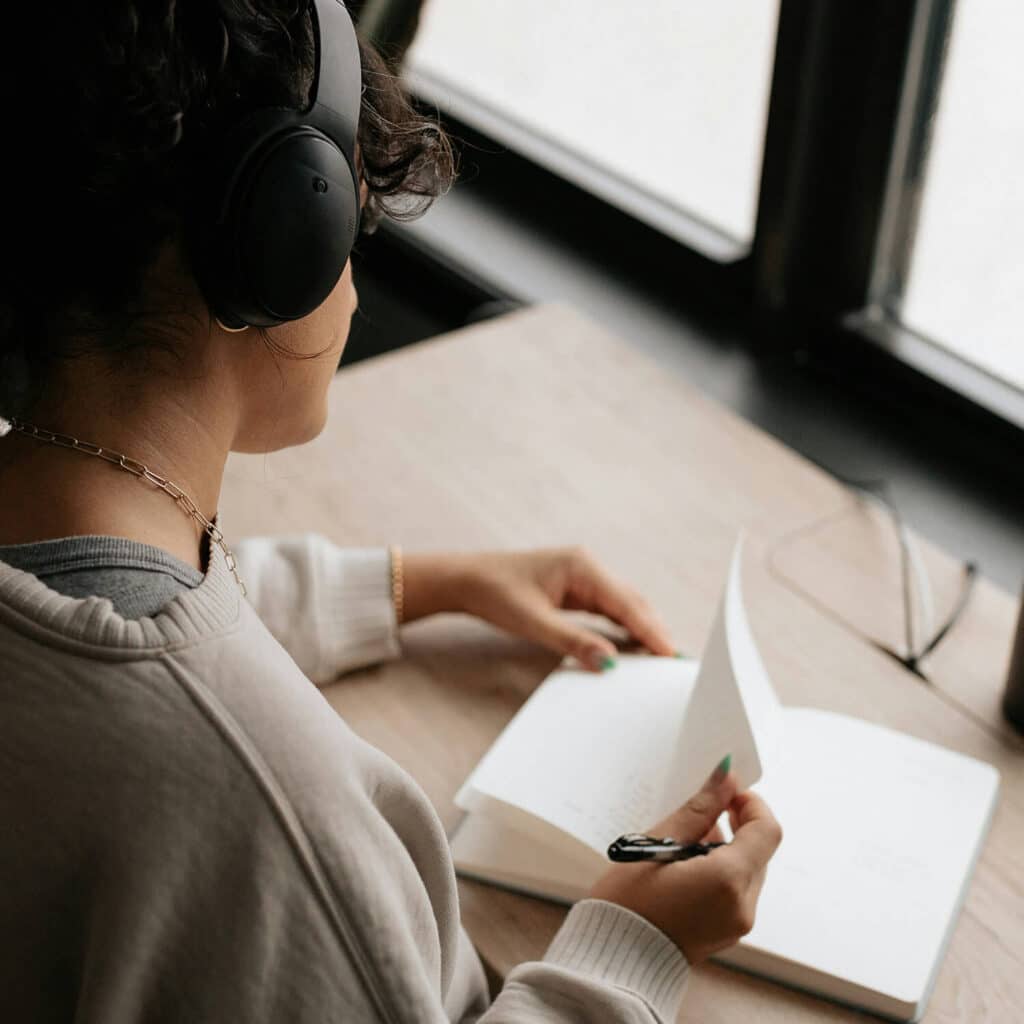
279	209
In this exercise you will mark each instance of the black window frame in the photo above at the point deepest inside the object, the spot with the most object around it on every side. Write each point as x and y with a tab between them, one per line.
852	90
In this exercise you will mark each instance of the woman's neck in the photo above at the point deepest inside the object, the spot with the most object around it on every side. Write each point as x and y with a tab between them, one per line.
50	492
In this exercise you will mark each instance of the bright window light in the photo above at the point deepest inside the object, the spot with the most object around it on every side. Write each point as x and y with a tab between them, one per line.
670	96
965	288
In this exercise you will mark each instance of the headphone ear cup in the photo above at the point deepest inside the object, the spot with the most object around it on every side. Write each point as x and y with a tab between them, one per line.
288	226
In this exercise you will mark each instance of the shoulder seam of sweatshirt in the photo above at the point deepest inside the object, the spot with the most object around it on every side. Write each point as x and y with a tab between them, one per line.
91	627
235	737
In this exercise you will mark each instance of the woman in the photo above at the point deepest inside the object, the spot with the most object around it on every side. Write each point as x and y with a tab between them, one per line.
191	834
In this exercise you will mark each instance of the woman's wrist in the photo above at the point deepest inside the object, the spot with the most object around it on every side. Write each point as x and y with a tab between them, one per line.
433	583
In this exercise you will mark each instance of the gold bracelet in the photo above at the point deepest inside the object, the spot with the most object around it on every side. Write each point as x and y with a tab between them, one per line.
397	581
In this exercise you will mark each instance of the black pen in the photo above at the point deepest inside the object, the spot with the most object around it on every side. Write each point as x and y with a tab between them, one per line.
635	846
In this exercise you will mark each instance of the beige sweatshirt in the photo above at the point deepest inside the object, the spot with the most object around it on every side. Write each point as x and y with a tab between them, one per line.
190	832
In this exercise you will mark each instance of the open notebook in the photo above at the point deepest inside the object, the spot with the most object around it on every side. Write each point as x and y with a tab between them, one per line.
882	830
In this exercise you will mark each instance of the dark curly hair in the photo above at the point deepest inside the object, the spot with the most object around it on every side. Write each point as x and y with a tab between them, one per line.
114	106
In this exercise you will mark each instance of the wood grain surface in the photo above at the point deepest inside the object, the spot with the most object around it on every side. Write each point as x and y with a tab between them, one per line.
540	429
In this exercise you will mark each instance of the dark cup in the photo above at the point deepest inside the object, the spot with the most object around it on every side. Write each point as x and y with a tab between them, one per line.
1013	699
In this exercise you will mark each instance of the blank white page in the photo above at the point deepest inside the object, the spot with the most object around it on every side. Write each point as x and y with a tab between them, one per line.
587	753
733	710
881	832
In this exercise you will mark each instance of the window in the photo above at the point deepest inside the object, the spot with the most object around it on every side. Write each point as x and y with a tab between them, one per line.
965	283
659	108
954	274
878	197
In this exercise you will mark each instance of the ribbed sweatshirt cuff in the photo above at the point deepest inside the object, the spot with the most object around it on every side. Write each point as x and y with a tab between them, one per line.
359	626
610	943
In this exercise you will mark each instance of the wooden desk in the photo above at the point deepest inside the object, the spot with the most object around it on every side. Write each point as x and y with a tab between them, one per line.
539	429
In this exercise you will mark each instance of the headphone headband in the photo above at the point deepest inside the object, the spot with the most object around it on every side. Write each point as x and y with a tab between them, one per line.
338	76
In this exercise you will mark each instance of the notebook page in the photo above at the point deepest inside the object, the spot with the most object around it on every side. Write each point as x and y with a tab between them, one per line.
586	752
881	832
733	709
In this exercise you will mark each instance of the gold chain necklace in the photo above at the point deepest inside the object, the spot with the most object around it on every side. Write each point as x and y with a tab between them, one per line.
184	502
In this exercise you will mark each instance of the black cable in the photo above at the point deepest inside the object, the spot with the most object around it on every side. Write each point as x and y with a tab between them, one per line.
970	572
880	491
911	664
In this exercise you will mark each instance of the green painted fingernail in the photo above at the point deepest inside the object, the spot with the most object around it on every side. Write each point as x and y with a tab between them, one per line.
679	654
607	662
723	767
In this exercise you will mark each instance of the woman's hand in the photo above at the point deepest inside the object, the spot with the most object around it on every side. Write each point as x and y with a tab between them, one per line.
524	592
706	904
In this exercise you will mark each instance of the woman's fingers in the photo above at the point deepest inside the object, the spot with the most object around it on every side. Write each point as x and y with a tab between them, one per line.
756	834
526	594
716	835
705	904
593	589
548	626
698	815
